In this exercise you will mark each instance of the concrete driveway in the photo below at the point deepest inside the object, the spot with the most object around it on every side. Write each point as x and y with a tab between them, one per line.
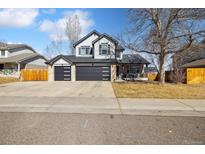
58	89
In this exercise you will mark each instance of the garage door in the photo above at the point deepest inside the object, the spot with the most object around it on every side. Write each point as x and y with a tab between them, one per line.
62	73
92	73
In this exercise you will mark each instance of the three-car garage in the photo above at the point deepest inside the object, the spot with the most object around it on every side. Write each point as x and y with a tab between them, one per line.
69	68
83	73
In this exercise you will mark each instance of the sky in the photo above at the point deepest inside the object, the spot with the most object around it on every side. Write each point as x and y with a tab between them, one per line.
38	27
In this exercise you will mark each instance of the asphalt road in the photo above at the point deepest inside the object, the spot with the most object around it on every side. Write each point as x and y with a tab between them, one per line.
61	128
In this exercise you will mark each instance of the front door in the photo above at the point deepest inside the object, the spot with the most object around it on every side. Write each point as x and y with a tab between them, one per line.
1	66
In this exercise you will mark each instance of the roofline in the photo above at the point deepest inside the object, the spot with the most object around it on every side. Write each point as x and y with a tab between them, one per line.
30	57
53	60
139	56
191	65
107	36
20	45
96	62
133	63
85	37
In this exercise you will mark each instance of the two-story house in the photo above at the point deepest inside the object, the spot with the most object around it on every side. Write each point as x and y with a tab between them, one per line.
98	57
15	57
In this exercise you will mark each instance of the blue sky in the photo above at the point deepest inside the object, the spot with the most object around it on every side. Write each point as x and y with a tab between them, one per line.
37	27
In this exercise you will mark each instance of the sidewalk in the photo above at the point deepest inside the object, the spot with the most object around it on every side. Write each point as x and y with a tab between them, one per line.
163	107
166	107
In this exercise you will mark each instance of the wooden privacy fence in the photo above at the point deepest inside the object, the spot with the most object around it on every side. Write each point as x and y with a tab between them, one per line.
195	75
152	76
34	75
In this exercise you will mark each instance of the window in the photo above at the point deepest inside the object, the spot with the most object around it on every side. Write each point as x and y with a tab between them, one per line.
118	54
104	49
3	53
85	50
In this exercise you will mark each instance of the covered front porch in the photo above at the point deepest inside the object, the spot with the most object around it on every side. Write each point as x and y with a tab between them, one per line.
131	67
130	72
10	69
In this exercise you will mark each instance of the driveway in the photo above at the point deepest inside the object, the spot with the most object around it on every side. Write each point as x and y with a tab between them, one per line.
88	97
58	89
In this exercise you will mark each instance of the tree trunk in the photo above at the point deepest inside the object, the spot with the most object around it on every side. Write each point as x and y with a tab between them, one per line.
161	70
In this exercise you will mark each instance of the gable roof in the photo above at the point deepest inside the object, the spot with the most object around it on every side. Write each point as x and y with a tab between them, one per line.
119	47
85	37
15	47
133	59
196	52
196	63
53	60
104	35
20	58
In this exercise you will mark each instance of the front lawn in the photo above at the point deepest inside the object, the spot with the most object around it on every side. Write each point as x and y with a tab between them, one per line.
7	80
154	90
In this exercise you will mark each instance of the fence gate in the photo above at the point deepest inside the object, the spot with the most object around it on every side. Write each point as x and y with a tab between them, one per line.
195	75
34	75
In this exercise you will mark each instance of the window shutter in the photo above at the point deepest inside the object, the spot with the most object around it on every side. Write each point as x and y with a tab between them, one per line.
108	49
79	51
100	52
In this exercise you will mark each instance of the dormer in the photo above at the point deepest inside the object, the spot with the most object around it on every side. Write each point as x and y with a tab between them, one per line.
83	47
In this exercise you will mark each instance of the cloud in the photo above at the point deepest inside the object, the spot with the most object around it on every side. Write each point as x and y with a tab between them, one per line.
14	42
57	28
49	11
17	17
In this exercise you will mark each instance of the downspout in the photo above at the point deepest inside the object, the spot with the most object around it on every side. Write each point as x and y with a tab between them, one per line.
19	69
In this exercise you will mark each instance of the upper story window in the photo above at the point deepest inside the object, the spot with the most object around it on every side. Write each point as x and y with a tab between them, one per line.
104	49
2	53
85	50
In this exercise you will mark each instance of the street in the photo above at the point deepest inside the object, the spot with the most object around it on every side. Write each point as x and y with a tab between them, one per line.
65	128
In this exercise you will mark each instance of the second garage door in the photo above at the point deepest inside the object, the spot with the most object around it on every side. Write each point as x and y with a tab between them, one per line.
92	73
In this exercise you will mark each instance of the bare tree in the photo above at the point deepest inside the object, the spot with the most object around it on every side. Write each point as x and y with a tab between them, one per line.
162	32
73	30
55	47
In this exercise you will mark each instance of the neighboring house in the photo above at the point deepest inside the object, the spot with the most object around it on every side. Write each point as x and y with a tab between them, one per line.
14	57
190	59
186	58
97	57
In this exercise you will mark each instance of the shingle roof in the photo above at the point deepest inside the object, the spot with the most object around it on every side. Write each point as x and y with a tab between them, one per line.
106	36
150	69
14	47
127	59
119	47
85	37
133	59
194	53
74	59
196	63
19	58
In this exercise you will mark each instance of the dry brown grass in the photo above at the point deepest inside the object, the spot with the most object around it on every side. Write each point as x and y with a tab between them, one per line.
7	80
154	90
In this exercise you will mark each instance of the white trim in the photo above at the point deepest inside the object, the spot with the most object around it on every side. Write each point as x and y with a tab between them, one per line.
61	62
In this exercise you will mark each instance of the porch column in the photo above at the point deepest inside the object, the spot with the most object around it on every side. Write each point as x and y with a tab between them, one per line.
18	69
